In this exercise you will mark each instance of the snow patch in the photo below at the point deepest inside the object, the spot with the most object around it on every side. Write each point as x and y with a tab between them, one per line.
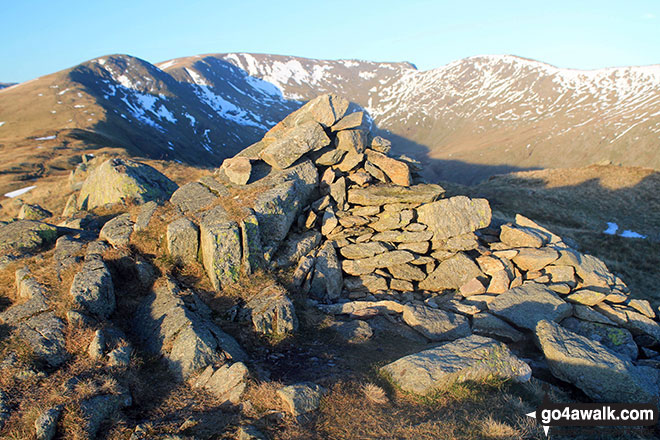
2	123
611	228
196	77
166	64
19	192
227	109
632	234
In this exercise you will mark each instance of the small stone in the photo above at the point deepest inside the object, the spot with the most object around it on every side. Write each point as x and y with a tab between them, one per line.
271	312
237	169
397	171
485	324
381	145
587	297
407	272
117	231
402	285
366	283
33	212
352	120
643	307
301	398
535	259
350	161
521	237
473	287
421	247
144	216
45	426
499	282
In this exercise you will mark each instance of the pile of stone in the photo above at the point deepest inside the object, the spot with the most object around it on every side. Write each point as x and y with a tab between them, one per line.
366	239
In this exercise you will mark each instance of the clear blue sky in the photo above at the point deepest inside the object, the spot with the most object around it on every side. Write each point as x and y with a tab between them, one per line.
42	36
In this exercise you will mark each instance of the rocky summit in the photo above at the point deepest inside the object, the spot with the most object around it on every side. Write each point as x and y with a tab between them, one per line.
233	297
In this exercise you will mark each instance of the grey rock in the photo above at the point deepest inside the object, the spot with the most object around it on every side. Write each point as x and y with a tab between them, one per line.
352	140
26	235
364	250
296	246
327	156
353	332
67	252
381	145
368	265
602	374
249	432
96	348
451	273
301	398
352	120
253	251
407	272
144	216
189	342
530	259
183	240
591	270
521	237
470	358
338	191
455	216
118	180
226	382
220	244
293	144
192	197
327	279
33	212
386	194
528	304
365	283
97	409
92	290
616	339
350	161
403	236
271	312
45	425
485	324
588	314
434	324
120	356
325	109
117	231
237	169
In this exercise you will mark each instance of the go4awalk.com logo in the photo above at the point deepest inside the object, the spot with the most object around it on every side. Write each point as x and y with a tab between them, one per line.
594	414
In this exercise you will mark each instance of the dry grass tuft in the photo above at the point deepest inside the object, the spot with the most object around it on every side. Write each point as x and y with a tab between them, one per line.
374	393
494	429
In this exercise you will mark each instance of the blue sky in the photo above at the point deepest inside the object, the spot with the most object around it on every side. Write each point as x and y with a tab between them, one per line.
43	36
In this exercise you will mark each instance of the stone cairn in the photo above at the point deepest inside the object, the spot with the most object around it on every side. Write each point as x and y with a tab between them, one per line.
365	239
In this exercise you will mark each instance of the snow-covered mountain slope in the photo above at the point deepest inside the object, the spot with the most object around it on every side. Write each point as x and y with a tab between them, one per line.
465	121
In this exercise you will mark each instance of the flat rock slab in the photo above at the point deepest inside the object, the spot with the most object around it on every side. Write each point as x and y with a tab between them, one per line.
92	291
292	145
301	398
616	339
368	265
358	251
455	216
528	304
353	332
470	358
529	259
387	194
435	324
602	374
486	324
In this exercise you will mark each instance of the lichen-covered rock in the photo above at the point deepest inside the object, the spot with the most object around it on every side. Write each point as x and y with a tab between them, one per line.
44	333
26	235
601	373
271	312
352	120
528	304
183	240
434	324
192	197
253	251
117	180
187	340
616	339
33	212
220	243
117	231
521	237
92	290
470	358
455	216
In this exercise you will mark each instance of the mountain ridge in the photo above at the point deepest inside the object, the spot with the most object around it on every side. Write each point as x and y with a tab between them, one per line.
466	120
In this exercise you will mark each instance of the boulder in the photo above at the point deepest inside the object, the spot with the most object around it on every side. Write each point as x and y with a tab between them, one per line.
192	197
327	280
434	324
92	291
44	334
324	109
33	212
470	358
451	273
301	398
385	194
602	374
26	235
183	240
117	231
292	145
615	338
118	180
187	339
353	332
271	312
485	324
95	410
352	120
45	425
237	169
144	216
528	304
454	216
